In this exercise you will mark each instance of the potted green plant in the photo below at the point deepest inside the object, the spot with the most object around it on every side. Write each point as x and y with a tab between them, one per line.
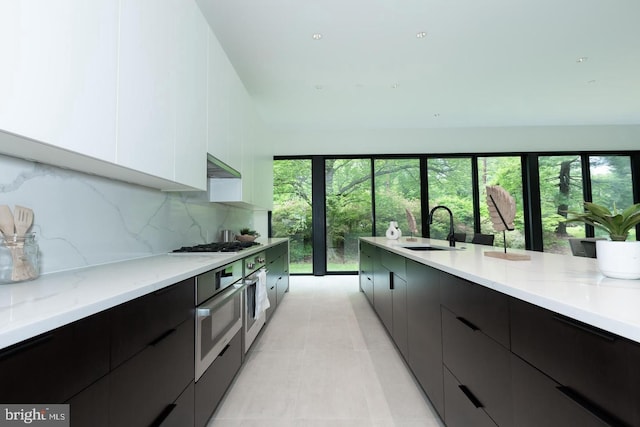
617	258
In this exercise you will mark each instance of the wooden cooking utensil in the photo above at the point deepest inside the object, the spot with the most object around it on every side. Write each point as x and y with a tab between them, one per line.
8	230
23	220
6	221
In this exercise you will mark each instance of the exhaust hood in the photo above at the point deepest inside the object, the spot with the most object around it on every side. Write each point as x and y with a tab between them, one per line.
216	168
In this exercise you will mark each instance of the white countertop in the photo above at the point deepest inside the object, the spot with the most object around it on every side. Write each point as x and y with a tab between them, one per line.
565	284
30	308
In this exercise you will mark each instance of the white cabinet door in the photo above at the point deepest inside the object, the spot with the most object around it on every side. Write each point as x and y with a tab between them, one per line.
191	97
219	94
58	73
146	86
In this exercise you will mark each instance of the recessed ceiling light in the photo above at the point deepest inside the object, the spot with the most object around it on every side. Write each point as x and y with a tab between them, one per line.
316	36
581	59
421	34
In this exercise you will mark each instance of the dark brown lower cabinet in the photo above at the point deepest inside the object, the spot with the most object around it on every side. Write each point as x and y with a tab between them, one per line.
90	407
142	388
399	314
597	368
540	401
180	413
54	366
461	408
424	330
212	385
480	364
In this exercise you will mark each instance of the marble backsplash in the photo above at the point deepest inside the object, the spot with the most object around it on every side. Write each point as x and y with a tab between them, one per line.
83	220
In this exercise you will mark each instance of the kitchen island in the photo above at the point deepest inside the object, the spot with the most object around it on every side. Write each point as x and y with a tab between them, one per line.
546	341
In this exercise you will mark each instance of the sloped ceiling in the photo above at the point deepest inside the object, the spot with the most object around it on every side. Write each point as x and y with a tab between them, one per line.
481	63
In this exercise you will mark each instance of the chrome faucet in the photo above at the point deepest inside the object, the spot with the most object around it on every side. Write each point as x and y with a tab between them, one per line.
451	236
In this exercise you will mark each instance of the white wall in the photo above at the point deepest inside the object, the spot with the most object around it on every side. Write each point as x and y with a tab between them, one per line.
83	220
458	140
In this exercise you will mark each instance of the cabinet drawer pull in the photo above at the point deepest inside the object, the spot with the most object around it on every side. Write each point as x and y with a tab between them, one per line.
224	350
25	346
161	337
391	284
470	396
585	404
584	327
467	323
163	415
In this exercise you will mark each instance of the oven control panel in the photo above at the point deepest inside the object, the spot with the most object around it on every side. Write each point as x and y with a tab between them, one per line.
254	262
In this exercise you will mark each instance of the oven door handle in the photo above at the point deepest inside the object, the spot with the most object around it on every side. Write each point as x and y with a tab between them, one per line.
205	309
252	279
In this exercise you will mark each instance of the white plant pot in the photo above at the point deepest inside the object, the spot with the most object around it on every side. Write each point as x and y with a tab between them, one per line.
619	260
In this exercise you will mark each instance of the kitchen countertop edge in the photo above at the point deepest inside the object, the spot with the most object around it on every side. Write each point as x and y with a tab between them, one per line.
28	309
567	285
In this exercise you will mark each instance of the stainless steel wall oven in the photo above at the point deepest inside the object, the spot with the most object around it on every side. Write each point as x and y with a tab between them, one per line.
254	316
219	309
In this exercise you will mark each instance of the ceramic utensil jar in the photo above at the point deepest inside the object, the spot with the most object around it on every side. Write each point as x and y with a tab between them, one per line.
19	258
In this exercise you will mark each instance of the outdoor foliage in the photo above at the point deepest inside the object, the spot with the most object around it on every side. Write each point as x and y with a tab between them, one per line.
350	185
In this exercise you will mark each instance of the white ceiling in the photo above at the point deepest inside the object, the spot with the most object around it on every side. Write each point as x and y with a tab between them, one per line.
482	63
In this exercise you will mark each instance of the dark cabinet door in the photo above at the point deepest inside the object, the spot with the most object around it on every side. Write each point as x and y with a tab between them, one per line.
539	401
480	364
462	409
273	275
214	383
600	367
90	407
382	296
144	386
366	270
180	413
137	323
424	330
482	307
399	314
54	366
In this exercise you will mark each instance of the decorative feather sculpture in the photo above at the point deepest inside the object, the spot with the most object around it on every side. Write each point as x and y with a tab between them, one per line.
502	208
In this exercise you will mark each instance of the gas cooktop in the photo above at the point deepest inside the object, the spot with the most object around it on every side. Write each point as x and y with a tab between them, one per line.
235	246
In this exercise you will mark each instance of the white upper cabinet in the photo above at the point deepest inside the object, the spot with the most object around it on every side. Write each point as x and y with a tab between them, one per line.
219	76
162	90
191	97
58	73
147	86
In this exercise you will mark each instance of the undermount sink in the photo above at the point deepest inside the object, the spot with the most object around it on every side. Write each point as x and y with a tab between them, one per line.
424	247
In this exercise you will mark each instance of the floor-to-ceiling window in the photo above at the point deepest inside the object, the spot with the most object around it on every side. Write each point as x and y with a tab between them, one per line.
324	203
348	210
397	194
450	184
560	191
292	215
505	171
611	184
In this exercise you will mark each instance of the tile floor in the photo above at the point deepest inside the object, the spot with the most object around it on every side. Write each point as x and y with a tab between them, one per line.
324	359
